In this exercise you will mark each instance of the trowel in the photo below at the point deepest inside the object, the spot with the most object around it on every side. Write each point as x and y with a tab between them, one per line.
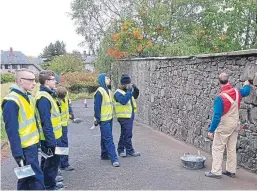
23	171
62	150
46	156
77	120
91	128
207	139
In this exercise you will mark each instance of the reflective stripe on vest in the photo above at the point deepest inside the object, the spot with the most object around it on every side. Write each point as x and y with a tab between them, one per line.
55	115
65	111
124	111
107	105
28	131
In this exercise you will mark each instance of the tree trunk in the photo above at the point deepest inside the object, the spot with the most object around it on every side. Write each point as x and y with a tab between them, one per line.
254	43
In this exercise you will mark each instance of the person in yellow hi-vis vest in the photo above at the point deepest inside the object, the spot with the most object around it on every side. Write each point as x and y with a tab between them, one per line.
66	114
20	124
103	113
50	128
125	108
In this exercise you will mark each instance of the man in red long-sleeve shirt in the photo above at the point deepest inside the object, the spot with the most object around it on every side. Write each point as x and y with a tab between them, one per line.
225	126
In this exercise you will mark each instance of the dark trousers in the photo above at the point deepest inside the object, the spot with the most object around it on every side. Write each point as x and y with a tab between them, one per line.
107	145
35	182
125	141
50	166
64	143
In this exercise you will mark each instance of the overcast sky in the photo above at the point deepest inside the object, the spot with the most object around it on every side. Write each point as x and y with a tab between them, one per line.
30	25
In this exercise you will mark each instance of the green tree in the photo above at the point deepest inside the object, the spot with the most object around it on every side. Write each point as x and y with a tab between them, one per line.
66	63
181	27
52	50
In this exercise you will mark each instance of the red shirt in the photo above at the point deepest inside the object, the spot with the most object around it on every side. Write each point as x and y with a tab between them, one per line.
228	89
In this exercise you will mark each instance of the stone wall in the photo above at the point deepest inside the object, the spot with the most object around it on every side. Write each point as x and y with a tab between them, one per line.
177	94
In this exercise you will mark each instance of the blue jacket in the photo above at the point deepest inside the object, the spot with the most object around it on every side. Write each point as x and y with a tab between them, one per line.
218	108
70	110
44	108
98	98
10	116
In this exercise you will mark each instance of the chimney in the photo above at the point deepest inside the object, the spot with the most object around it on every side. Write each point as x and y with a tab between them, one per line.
11	52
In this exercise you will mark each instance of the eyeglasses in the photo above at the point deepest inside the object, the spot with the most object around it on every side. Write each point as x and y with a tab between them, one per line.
51	79
29	79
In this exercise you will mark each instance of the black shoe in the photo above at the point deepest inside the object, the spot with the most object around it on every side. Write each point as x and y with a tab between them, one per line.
135	154
59	179
232	175
68	168
105	158
211	175
122	154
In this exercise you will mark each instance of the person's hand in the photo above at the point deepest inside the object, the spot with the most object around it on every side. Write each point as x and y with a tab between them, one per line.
241	128
95	123
129	87
134	86
210	135
246	83
72	116
20	160
50	150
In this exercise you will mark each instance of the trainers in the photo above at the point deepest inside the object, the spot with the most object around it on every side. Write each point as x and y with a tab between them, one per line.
59	186
232	175
211	175
116	164
68	168
59	179
135	154
122	154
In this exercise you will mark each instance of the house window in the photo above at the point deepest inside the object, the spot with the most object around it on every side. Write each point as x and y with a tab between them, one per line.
15	66
7	66
24	66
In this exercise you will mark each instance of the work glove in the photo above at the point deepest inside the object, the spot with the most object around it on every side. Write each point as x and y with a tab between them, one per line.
50	150
72	116
129	87
20	160
96	123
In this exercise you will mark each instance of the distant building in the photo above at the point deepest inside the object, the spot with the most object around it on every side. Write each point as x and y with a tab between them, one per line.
89	60
13	60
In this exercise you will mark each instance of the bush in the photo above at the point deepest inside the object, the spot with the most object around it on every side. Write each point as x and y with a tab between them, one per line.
5	78
77	88
78	82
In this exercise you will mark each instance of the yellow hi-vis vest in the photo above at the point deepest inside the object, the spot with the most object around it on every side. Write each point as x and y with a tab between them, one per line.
107	104
55	116
124	111
65	111
28	130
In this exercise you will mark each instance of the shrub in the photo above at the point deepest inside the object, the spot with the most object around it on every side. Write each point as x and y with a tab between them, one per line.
77	82
8	77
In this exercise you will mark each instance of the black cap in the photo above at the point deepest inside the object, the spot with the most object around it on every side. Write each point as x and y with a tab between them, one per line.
125	79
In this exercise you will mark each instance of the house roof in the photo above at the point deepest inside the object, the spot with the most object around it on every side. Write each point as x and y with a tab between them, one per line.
17	58
37	61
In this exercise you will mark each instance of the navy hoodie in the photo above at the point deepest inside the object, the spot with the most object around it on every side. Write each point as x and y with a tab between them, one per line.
10	116
44	108
98	97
